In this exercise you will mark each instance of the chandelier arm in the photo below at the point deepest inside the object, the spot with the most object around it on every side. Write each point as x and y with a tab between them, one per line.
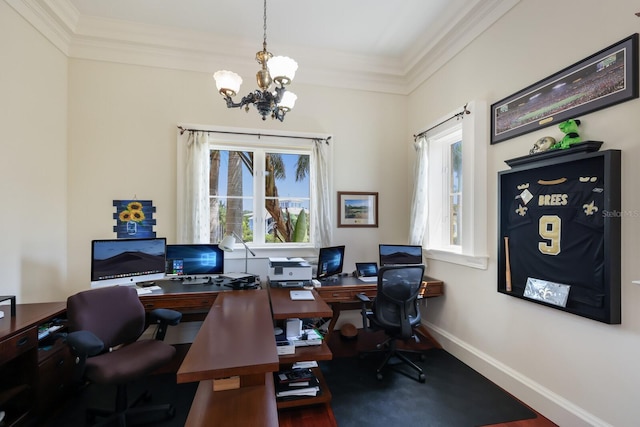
231	104
279	93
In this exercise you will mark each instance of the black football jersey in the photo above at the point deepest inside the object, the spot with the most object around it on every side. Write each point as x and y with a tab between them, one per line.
556	233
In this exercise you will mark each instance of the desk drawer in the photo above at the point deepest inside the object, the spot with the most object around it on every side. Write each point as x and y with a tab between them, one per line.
337	295
16	345
431	289
179	302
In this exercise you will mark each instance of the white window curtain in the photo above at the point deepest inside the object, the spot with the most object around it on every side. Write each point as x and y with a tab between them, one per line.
195	227
320	194
419	202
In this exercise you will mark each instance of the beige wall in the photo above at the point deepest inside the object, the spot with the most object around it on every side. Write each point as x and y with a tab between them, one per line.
555	361
33	163
122	144
61	170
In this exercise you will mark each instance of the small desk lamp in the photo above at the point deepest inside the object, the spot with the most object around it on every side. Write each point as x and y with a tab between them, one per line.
229	242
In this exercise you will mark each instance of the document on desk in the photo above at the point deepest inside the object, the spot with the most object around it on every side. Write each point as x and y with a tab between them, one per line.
301	295
147	289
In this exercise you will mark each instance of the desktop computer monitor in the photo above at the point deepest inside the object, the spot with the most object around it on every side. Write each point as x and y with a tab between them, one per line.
127	261
400	254
330	260
195	260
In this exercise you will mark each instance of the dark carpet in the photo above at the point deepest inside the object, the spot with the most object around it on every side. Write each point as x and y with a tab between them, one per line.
454	395
163	390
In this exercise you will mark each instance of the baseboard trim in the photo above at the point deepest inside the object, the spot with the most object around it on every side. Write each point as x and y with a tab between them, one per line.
553	406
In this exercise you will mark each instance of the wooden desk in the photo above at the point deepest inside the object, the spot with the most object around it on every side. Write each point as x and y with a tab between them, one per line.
193	301
283	307
341	293
236	339
30	383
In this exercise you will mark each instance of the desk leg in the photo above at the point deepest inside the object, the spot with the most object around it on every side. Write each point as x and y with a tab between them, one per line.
335	307
424	332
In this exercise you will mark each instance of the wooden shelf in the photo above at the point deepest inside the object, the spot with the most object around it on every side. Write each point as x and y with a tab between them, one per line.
315	352
250	406
324	397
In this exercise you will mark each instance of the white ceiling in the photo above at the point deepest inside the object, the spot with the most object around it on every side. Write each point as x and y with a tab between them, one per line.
367	44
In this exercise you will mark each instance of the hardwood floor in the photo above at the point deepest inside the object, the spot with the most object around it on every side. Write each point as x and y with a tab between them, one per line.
321	416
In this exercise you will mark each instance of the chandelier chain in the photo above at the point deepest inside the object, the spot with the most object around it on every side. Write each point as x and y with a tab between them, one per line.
264	26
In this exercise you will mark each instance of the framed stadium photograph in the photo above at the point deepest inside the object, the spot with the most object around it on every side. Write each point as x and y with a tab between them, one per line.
605	78
357	209
559	242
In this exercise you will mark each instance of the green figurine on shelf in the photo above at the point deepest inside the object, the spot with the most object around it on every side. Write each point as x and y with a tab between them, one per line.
570	130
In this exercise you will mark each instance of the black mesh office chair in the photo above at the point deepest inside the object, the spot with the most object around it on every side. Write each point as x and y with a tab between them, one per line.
395	310
104	327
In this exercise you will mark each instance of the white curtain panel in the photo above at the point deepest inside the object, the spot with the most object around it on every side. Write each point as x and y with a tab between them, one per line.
195	227
321	206
419	200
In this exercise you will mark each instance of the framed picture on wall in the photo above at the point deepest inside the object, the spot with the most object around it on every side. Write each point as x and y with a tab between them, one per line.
601	80
357	209
559	231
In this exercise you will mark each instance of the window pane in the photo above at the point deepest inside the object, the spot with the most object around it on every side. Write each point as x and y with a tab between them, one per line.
455	194
231	194
287	195
456	167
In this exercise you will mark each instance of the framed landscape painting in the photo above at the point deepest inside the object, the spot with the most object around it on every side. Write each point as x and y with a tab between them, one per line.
357	209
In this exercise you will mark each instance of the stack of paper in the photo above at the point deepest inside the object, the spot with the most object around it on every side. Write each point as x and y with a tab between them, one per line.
301	295
308	337
294	383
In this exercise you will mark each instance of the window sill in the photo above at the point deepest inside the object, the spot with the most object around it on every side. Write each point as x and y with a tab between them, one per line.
479	262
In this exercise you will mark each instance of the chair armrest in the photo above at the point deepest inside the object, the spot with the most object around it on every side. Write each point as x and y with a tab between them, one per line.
84	343
171	317
164	317
362	297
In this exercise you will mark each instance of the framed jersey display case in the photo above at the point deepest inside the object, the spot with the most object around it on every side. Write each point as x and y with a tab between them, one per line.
559	233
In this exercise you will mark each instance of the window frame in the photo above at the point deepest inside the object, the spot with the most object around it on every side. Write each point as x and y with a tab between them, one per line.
243	139
473	249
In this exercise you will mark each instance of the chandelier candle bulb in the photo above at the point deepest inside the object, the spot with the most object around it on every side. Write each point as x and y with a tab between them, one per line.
227	82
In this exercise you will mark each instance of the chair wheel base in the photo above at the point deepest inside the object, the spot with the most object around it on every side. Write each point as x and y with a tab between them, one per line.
171	412
379	376
421	378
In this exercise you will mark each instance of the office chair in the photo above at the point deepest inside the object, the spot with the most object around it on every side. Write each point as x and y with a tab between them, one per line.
395	310
104	326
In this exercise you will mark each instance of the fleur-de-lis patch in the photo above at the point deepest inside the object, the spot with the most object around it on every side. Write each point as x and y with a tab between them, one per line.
590	208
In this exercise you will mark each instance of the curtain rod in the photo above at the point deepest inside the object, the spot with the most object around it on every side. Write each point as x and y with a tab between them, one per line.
459	115
183	130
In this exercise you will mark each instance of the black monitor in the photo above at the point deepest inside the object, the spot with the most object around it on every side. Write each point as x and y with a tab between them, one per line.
195	260
330	262
400	254
127	261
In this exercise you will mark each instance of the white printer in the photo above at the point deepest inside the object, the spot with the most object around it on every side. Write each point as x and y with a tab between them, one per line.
289	272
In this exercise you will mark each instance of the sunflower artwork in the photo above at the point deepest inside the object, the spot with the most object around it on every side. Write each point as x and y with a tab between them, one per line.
134	219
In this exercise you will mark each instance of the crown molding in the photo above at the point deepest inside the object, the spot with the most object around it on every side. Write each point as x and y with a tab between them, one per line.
54	20
85	37
476	19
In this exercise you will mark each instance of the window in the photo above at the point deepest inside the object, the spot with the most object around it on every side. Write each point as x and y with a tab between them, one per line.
263	188
445	199
261	194
450	194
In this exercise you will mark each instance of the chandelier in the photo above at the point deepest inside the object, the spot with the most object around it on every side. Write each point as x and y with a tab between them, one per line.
279	70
